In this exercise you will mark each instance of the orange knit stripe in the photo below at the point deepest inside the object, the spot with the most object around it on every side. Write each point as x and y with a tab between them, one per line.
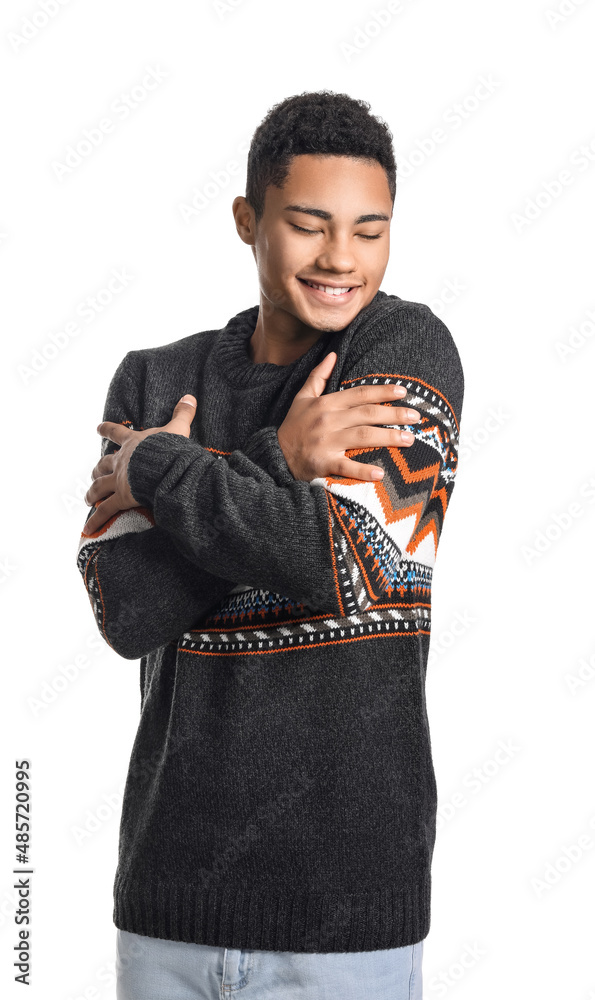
311	618
103	606
100	531
406	378
310	645
429	529
332	548
88	563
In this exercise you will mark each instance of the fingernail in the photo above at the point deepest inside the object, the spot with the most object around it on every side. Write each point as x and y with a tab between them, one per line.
377	473
407	436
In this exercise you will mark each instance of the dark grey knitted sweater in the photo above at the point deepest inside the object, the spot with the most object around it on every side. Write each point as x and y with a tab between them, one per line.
281	793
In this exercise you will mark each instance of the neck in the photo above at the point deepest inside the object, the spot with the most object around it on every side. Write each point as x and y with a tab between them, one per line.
279	337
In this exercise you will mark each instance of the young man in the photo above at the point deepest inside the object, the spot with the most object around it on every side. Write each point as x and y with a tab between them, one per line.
278	821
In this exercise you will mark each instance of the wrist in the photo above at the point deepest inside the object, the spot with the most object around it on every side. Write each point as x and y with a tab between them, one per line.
264	448
284	448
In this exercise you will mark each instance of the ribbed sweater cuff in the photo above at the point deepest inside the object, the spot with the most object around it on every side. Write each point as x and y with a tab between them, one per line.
263	449
151	460
154	456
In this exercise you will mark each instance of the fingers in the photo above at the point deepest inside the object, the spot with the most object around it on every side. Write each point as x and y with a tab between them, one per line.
106	509
182	416
101	487
185	407
315	384
104	465
363	437
114	432
327	364
348	469
365	417
359	394
379	413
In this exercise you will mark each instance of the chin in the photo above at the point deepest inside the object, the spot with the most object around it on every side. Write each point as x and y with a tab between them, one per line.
326	325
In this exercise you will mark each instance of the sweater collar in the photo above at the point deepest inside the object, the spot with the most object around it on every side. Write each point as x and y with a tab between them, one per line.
233	351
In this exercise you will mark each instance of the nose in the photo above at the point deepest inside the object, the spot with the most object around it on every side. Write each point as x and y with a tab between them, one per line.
336	256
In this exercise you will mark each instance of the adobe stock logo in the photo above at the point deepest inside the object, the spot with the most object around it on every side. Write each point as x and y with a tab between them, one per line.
121	107
34	23
205	194
562	12
364	34
225	7
88	309
552	188
578	335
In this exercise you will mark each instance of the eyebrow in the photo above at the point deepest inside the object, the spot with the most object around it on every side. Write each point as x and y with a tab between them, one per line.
322	214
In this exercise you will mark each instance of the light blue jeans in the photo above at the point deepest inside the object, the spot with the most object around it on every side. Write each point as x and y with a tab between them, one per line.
155	969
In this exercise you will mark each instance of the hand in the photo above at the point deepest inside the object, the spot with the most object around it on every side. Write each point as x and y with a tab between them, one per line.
318	430
110	475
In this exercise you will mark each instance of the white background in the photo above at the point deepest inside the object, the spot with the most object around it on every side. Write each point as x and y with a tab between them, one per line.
512	912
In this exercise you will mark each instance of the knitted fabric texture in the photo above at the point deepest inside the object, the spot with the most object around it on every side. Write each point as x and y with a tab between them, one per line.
281	792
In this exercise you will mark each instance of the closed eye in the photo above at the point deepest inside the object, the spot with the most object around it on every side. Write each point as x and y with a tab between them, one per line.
312	232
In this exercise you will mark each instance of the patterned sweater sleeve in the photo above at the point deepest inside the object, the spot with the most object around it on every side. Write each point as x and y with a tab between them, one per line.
143	592
337	545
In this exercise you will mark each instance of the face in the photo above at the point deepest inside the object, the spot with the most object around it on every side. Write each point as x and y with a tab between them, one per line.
329	225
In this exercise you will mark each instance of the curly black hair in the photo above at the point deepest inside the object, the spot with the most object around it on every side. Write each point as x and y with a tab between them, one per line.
315	122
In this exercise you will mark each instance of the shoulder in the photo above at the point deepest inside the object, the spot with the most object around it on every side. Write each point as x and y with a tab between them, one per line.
403	339
177	353
154	378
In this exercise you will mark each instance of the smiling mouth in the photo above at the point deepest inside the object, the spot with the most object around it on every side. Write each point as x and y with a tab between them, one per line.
329	290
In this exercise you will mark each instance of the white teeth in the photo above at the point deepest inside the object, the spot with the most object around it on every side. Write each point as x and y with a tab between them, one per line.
328	289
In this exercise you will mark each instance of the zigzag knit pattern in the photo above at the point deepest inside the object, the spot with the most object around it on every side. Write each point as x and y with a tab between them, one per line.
376	524
385	541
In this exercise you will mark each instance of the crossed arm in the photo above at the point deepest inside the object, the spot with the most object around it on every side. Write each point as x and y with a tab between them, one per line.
333	544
